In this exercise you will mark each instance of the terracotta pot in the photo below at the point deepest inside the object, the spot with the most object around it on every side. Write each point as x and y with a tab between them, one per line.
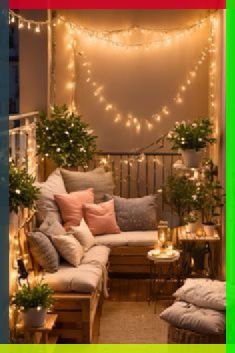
191	158
209	229
34	317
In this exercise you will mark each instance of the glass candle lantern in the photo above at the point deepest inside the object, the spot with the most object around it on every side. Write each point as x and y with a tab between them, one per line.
163	232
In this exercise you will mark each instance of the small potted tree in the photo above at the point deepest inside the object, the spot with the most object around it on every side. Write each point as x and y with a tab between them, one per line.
65	138
34	301
192	222
179	191
190	139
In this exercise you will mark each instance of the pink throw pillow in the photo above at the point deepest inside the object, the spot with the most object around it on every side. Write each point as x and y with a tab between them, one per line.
70	206
101	218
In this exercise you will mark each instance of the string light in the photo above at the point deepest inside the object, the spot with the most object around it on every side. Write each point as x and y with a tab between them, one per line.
117	37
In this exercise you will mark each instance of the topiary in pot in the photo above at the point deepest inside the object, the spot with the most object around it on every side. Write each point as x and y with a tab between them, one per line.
179	191
64	138
190	139
34	301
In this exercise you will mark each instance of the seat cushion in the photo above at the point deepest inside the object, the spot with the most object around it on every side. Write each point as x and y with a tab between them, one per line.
98	253
137	238
141	238
83	279
111	240
191	317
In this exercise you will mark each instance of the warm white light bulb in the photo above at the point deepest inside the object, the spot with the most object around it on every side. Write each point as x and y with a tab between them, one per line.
13	19
29	25
37	29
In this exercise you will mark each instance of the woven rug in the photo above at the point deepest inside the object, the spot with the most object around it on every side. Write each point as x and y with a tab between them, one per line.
132	322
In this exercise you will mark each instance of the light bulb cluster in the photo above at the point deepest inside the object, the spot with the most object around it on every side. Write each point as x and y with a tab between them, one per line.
131	120
212	71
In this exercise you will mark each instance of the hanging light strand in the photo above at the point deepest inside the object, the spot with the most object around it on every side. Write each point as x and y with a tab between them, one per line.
118	37
130	120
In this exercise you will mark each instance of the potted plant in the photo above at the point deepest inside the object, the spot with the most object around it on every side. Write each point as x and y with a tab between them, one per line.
192	222
34	301
64	138
190	139
22	191
179	191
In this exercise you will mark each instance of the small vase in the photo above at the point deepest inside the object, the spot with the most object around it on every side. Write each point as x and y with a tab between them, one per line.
34	317
209	229
191	158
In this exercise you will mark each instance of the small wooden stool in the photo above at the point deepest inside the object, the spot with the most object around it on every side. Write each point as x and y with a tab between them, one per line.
38	335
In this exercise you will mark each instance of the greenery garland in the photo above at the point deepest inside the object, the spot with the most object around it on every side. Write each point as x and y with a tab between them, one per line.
22	192
64	138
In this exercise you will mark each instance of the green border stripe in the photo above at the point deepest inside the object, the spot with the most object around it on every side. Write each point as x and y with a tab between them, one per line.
230	174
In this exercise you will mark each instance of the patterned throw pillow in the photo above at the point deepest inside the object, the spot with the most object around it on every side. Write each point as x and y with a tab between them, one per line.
51	227
43	251
98	179
135	213
69	248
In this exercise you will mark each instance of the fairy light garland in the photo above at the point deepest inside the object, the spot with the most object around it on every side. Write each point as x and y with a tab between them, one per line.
116	38
129	120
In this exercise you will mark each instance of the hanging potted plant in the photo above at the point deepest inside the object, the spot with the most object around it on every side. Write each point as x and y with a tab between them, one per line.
192	222
64	138
190	139
34	301
178	192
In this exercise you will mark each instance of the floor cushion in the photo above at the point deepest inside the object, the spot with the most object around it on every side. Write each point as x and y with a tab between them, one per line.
97	253
203	292
191	317
83	279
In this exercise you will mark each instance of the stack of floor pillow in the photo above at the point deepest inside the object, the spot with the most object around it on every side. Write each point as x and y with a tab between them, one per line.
198	314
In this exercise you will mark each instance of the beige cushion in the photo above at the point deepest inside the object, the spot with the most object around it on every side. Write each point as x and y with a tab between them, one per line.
69	248
97	253
137	238
203	292
46	203
43	251
194	318
83	279
50	226
83	234
97	179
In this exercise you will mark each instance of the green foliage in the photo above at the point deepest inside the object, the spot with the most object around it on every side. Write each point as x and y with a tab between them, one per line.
179	192
64	138
39	295
192	217
193	136
22	192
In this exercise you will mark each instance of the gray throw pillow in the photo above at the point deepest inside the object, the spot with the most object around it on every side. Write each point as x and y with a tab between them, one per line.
43	251
98	179
51	227
135	213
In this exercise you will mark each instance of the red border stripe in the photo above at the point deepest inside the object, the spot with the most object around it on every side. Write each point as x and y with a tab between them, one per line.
117	4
